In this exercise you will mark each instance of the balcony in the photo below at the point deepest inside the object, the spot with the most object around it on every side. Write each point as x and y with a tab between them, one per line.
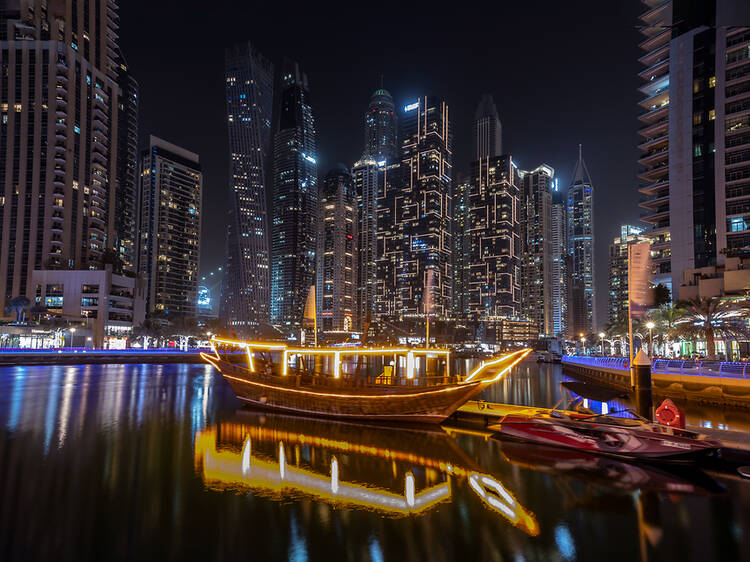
655	174
654	115
654	157
653	188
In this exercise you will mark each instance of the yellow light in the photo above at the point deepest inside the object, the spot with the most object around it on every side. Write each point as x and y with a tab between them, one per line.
524	352
376	396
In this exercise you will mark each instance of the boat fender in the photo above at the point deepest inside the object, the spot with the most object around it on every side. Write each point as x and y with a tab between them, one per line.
668	413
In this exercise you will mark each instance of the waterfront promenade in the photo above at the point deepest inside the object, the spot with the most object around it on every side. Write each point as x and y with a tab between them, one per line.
89	356
707	382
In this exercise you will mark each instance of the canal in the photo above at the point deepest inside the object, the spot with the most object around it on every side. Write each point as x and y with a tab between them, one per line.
135	462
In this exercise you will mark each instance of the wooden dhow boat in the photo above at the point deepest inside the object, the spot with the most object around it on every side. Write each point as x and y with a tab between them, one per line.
353	382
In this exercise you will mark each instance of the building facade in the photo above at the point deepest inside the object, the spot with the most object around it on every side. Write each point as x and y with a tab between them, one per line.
618	272
580	215
414	218
461	248
366	176
108	305
126	199
488	131
694	162
536	241
494	278
380	128
170	228
561	262
295	196
336	274
246	287
58	138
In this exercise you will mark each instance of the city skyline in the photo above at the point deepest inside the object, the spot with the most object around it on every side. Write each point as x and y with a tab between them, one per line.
339	105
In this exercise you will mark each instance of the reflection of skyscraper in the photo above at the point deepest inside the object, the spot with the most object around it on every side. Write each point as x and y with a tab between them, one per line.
536	223
414	215
380	128
58	138
246	293
581	249
295	196
337	252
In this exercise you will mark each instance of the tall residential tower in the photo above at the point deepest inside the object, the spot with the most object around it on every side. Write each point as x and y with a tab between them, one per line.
170	228
582	311
58	138
295	196
246	291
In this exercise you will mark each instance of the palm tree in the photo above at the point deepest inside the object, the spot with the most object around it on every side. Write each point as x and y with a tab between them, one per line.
712	317
19	305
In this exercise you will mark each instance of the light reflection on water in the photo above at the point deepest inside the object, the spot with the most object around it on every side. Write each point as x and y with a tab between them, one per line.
131	462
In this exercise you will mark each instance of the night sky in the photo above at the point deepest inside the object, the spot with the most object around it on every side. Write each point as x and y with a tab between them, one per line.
561	73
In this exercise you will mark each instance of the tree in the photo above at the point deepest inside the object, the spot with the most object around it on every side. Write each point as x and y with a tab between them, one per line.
662	295
18	306
711	317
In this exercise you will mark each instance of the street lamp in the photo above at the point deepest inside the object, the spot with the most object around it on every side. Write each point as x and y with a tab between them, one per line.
583	343
650	326
601	337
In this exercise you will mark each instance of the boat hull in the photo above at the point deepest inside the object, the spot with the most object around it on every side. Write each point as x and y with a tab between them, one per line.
418	404
636	443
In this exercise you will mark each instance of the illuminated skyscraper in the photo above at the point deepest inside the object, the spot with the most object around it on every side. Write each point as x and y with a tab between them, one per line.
560	262
536	240
582	313
366	175
380	128
295	196
246	291
618	271
694	134
337	252
461	247
170	227
414	217
126	200
494	280
58	138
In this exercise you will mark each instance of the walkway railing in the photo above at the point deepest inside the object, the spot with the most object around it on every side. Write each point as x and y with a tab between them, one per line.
668	366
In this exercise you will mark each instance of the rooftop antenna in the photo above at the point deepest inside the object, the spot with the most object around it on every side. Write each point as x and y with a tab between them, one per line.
381	81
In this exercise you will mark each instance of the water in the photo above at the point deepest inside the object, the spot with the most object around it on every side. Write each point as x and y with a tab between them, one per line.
134	462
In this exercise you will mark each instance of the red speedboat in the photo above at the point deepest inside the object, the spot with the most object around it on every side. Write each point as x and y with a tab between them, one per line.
624	438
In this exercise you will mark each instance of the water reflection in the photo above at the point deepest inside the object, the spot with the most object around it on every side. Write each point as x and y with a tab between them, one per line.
395	471
135	462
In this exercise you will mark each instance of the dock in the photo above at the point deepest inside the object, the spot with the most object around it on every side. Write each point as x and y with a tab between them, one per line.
479	417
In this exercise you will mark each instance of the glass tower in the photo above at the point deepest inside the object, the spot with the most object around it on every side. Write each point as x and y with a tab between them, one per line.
295	197
246	291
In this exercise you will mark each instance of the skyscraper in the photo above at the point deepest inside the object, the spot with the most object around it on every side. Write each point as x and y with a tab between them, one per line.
582	312
246	290
58	138
488	132
170	228
295	195
461	247
126	199
494	280
414	217
366	176
694	134
337	252
380	128
560	262
618	272
536	240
